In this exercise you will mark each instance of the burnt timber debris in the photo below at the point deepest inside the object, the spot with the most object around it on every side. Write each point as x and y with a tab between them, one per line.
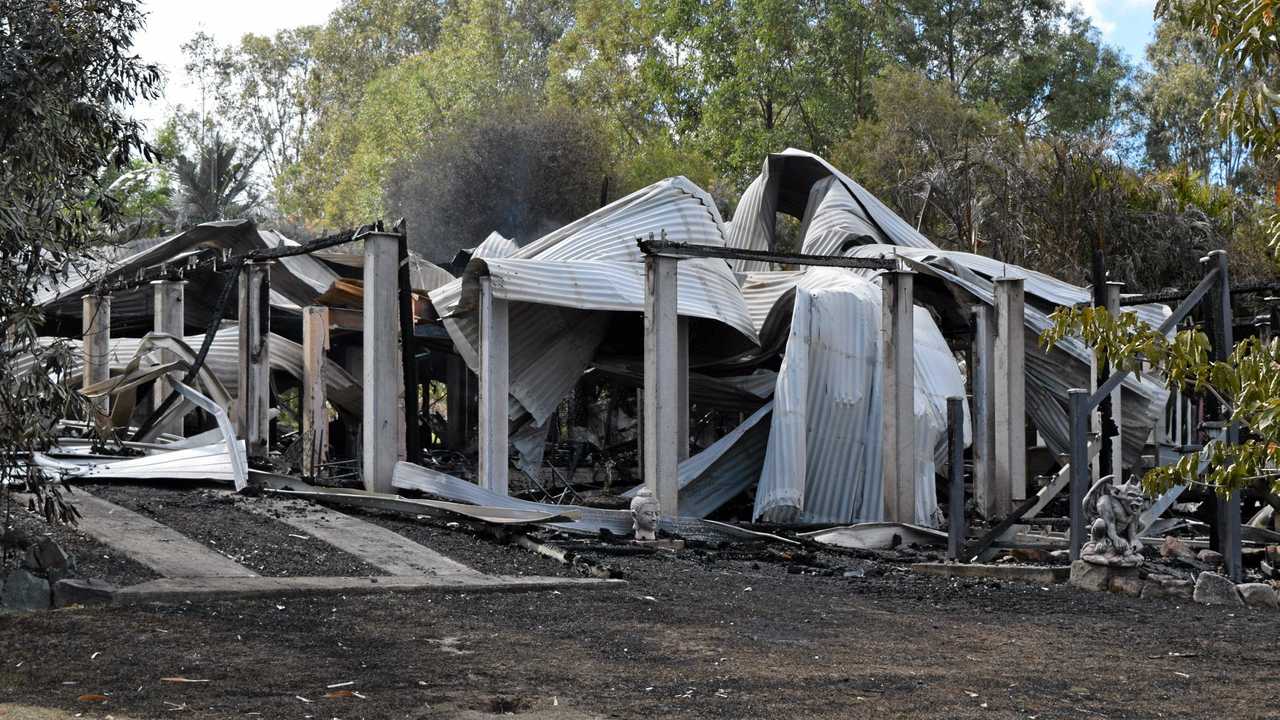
650	371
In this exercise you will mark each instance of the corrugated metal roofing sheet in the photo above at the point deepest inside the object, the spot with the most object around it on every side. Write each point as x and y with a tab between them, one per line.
831	206
495	246
824	460
223	361
1049	373
559	285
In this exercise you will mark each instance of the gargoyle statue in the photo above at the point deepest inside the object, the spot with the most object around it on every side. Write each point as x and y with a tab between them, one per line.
1113	534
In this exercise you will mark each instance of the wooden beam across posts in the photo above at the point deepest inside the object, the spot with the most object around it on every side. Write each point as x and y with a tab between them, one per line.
381	423
897	332
661	420
495	386
96	326
1009	395
170	318
254	401
986	491
315	418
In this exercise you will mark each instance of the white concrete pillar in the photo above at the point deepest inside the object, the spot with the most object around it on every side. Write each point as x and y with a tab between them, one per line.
1010	390
96	326
661	387
987	492
381	349
897	334
254	402
495	385
169	308
315	417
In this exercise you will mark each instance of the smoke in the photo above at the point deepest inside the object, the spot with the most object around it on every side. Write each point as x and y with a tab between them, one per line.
522	176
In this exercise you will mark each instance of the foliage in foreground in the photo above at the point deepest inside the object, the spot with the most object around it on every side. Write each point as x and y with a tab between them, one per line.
1243	34
1245	383
65	74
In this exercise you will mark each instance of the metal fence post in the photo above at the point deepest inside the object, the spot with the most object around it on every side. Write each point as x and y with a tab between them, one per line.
1228	510
1079	399
955	471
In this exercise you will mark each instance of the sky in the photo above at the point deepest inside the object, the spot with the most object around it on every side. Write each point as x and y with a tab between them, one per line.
1125	24
172	22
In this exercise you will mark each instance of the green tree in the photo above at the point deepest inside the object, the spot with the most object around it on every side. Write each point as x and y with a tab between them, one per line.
965	42
1246	385
1183	83
1038	61
66	73
941	168
491	58
361	40
608	63
273	112
755	76
1064	82
215	184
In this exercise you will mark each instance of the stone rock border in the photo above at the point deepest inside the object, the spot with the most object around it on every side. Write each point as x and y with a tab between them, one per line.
1210	588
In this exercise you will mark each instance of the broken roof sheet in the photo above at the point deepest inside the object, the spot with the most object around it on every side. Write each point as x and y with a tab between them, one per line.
1049	373
560	285
296	280
824	457
832	207
588	520
495	246
223	360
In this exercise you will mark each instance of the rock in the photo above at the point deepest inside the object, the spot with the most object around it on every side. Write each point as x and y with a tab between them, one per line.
25	591
1215	589
1030	555
1169	589
1099	578
52	557
1087	576
1127	583
82	591
1172	547
1259	595
50	560
1211	558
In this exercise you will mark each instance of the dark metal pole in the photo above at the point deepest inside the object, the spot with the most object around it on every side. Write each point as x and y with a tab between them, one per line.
1079	399
1107	425
1228	509
408	351
955	470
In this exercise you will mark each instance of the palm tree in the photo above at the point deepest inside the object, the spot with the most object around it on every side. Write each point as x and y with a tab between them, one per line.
214	186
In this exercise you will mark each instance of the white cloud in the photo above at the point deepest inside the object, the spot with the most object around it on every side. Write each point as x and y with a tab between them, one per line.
1108	15
1093	12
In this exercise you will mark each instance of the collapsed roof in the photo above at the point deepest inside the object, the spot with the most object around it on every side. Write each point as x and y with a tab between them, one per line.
797	351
